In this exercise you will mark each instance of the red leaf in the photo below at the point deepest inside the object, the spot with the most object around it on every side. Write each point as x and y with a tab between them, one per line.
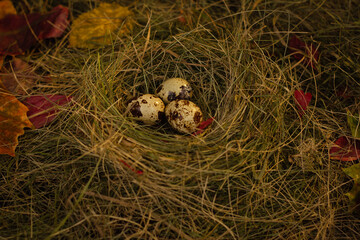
344	93
302	50
43	110
55	25
203	125
345	149
302	101
182	19
19	33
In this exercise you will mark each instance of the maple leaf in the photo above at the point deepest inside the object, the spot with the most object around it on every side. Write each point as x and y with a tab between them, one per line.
13	120
302	101
345	149
95	28
308	54
19	33
43	109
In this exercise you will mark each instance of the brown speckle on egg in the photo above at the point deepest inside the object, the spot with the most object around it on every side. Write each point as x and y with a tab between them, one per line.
135	110
197	117
175	115
185	93
171	96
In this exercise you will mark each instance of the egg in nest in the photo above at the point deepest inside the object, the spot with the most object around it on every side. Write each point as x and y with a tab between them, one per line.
183	115
147	109
173	89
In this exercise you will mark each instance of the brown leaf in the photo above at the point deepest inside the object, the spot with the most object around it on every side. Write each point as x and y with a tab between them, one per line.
19	77
13	120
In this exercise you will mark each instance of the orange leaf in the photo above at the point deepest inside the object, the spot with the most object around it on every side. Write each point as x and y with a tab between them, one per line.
13	120
6	8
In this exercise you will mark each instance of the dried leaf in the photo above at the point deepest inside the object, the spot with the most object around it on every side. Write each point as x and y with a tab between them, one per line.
20	77
344	92
19	33
182	18
302	101
345	149
13	120
354	194
100	25
353	172
55	23
353	123
44	109
6	8
308	54
203	125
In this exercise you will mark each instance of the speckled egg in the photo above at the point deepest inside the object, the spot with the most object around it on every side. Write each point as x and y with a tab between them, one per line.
174	88
183	115
147	108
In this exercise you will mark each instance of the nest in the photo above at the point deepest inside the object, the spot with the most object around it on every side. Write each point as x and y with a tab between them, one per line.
243	176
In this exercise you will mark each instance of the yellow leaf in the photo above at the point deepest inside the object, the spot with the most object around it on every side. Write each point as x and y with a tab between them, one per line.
6	7
13	120
100	25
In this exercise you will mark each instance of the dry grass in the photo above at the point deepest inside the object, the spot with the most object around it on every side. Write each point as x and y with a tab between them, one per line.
259	171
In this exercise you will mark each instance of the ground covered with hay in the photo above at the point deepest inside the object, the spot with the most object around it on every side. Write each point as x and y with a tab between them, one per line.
260	170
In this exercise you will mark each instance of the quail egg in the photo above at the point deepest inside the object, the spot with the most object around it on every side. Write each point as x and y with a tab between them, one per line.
147	108
183	115
174	88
